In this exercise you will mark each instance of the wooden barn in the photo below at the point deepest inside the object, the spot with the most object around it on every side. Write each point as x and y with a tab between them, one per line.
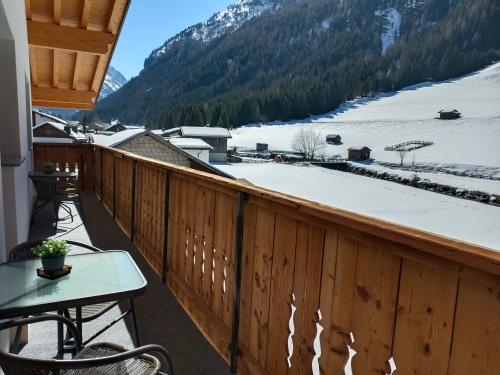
356	153
333	138
449	115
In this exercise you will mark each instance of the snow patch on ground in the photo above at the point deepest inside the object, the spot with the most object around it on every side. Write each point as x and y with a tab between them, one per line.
391	29
465	154
436	213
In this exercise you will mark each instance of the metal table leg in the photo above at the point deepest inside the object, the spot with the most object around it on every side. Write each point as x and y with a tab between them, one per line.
60	336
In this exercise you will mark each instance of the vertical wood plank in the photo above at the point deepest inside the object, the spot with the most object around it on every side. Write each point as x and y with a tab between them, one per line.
247	267
338	320
425	318
261	292
281	291
476	337
306	286
208	245
377	281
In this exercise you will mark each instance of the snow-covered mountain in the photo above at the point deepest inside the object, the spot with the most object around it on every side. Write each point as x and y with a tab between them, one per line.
113	81
225	21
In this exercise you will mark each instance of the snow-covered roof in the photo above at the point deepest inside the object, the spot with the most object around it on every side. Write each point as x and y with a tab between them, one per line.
169	132
54	118
205	132
61	127
359	148
114	138
190	143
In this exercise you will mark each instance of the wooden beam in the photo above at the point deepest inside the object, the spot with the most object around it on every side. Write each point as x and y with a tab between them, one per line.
41	103
33	68
51	94
68	38
112	8
27	4
55	69
96	78
76	72
57	11
87	5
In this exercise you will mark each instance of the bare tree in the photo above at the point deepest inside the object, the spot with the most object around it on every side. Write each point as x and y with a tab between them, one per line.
402	155
309	142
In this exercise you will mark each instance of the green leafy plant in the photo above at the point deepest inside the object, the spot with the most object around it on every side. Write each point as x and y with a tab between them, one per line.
52	249
48	166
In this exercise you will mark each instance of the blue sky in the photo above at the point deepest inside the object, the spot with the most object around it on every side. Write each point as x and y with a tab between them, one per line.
150	23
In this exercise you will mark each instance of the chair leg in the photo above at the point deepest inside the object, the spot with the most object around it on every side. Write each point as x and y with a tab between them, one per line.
135	332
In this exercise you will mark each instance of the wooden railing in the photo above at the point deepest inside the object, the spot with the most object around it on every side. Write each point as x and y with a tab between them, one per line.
260	272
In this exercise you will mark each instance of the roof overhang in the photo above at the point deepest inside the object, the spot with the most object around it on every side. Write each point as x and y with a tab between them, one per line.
70	47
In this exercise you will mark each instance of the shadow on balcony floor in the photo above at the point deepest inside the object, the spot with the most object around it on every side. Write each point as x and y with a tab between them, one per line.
161	320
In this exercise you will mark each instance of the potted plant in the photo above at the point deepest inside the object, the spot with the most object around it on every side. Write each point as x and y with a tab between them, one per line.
53	253
48	167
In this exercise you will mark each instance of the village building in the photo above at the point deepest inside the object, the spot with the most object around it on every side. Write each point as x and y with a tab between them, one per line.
193	146
55	132
39	117
357	153
214	136
150	145
333	138
117	126
449	115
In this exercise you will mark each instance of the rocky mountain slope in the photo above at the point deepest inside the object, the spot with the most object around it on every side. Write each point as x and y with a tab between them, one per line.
264	60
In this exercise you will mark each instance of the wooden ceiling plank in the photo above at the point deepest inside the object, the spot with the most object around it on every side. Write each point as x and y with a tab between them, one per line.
51	94
69	38
27	4
55	69
87	6
112	8
42	103
33	67
57	11
76	72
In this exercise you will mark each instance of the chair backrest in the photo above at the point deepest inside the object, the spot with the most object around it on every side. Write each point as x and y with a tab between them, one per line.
24	251
45	187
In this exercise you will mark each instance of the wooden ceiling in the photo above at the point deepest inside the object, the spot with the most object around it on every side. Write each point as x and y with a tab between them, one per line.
70	45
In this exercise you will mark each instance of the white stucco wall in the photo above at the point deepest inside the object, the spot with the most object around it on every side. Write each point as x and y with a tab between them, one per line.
200	154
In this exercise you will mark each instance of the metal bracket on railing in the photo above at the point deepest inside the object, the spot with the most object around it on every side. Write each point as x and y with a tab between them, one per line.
238	248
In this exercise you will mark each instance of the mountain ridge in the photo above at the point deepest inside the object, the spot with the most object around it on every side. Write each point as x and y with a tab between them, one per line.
305	57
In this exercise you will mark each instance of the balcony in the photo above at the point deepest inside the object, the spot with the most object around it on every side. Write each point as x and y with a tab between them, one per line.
160	318
281	285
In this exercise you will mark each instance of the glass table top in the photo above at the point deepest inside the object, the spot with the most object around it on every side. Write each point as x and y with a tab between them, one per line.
94	278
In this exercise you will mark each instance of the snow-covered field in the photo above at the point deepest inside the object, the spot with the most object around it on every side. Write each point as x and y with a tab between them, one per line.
469	146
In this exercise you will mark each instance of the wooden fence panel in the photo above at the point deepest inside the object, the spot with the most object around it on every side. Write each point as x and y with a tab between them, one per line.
123	193
149	214
64	157
430	303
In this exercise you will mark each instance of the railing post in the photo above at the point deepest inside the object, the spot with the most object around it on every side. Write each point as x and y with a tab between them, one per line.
165	227
81	175
132	213
114	187
100	160
240	215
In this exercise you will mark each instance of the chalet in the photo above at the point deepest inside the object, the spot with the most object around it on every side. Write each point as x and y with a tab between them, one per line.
116	127
150	145
39	117
358	153
55	132
333	138
215	137
449	115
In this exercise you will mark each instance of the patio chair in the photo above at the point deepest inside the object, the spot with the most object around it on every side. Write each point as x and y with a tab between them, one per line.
102	358
24	251
46	192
